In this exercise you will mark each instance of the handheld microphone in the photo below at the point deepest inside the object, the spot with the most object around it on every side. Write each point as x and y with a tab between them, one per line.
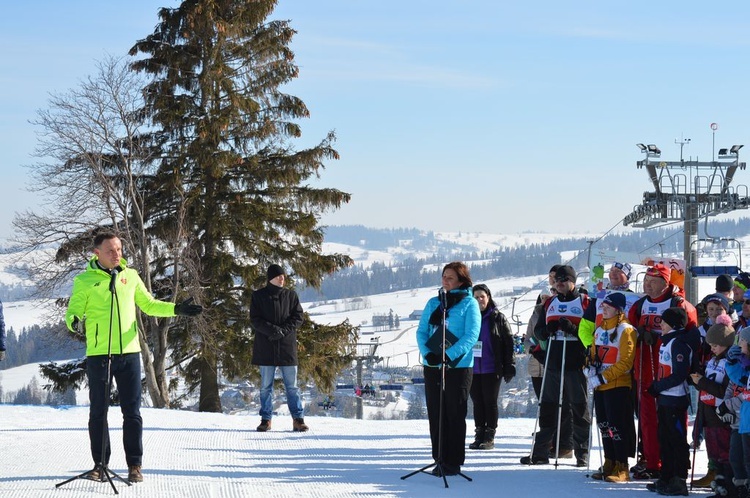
113	281
443	297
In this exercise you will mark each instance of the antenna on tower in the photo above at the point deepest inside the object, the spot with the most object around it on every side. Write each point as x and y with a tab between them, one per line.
682	142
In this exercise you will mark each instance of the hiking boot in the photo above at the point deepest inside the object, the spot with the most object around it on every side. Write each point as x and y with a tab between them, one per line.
265	425
638	467
646	474
527	460
656	485
582	458
619	473
478	438
604	470
705	481
94	474
489	440
298	425
676	486
134	473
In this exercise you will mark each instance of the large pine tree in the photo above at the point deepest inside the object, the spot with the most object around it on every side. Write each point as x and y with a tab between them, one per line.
230	184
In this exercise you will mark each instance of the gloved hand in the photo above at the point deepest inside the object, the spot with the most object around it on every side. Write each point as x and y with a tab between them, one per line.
510	372
724	414
734	354
186	308
433	359
590	371
652	390
567	326
77	326
276	335
553	326
594	381
2	355
646	336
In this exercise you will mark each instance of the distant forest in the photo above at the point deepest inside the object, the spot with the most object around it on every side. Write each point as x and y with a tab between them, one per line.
533	259
38	344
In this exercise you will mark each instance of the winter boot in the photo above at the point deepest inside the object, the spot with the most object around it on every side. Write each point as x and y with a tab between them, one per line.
265	425
604	470
740	486
537	460
478	438
705	481
676	486
619	473
489	439
582	458
657	486
298	425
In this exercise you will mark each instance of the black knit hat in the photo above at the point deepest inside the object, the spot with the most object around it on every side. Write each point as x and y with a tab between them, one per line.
724	283
274	271
742	281
675	317
565	273
616	300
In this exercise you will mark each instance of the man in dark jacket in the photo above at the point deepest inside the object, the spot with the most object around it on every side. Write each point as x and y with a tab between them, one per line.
276	314
563	370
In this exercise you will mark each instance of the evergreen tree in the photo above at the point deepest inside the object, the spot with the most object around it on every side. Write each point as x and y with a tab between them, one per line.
229	182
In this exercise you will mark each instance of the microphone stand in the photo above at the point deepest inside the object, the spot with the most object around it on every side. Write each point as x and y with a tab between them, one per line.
438	464
104	471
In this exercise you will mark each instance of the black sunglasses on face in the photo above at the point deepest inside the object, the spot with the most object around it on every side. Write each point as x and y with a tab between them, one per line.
562	279
747	301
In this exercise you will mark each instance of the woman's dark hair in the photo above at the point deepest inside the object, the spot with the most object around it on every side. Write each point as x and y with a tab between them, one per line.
486	290
462	271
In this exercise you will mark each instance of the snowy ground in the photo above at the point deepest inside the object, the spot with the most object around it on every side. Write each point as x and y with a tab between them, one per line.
198	455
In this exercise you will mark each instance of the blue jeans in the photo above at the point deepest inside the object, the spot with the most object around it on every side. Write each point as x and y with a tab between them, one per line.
293	401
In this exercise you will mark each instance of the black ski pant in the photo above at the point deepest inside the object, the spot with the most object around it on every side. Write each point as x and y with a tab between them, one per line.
485	389
126	370
674	449
614	415
574	411
455	406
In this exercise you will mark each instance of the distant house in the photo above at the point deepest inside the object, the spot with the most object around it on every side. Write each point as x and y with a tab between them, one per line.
415	315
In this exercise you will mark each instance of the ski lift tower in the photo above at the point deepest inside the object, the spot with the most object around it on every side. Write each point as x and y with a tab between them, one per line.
365	355
688	191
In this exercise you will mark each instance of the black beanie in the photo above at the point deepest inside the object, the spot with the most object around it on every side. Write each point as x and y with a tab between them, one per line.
724	283
274	271
565	272
675	317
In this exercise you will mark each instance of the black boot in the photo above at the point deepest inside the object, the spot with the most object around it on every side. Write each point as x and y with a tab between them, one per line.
478	438
489	439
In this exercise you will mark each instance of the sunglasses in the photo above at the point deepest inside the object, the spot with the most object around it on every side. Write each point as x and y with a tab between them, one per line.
562	279
747	301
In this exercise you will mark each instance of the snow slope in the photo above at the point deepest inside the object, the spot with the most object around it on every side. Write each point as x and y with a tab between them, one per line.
198	455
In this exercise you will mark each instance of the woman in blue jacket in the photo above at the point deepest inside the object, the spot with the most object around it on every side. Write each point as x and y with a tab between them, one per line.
461	326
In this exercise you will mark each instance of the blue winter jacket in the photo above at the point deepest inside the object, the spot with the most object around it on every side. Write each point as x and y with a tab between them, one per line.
738	373
464	321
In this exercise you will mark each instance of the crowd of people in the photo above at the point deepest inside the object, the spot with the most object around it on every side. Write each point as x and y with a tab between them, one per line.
645	358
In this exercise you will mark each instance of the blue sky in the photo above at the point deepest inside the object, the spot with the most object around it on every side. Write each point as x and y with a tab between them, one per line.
482	115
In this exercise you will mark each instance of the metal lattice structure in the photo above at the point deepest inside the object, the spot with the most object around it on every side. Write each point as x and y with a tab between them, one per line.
687	191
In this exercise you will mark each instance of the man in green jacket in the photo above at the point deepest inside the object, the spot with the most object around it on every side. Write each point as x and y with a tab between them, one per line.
102	306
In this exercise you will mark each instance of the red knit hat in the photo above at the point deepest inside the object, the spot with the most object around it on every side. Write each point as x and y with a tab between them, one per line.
659	270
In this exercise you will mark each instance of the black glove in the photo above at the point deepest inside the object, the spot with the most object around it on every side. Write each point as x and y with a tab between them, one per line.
185	308
276	335
77	326
652	390
553	326
567	326
2	355
433	359
646	336
510	372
